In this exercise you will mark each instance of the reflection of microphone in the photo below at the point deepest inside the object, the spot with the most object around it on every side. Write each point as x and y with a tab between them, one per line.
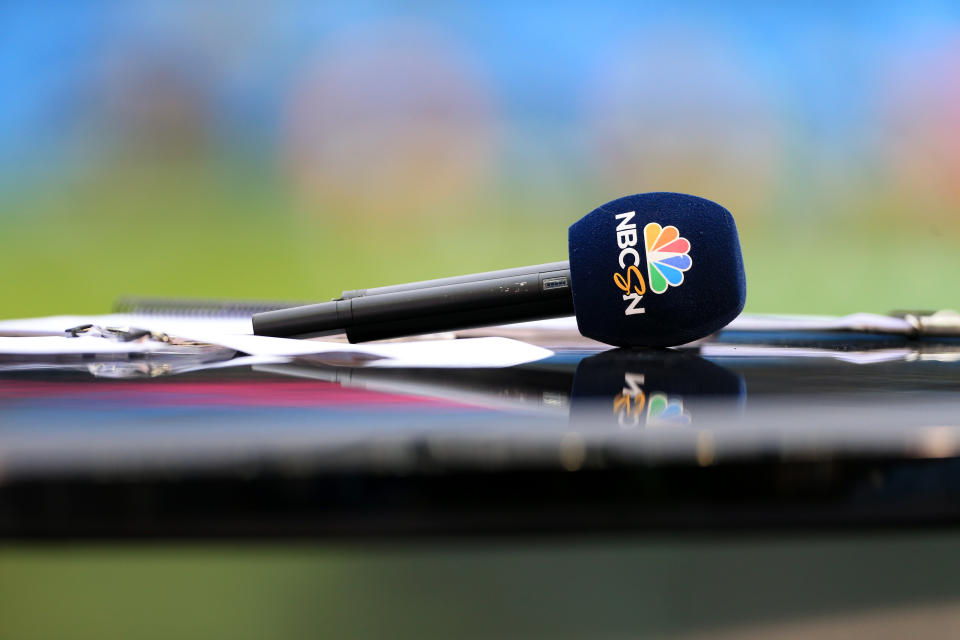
653	388
634	388
650	270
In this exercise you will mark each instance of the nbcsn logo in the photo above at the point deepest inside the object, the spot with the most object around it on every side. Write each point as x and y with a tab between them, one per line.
667	259
634	408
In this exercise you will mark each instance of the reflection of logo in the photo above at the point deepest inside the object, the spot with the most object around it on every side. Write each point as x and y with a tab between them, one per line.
631	401
667	259
665	411
661	409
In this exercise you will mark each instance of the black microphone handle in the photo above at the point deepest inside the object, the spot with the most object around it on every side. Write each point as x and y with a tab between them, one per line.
473	277
532	295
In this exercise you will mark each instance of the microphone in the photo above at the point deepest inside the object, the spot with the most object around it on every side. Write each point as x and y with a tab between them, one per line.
648	270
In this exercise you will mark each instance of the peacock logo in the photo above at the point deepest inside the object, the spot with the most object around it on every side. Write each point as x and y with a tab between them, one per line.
667	256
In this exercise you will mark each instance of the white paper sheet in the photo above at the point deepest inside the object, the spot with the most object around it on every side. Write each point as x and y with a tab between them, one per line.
61	345
463	353
236	334
180	326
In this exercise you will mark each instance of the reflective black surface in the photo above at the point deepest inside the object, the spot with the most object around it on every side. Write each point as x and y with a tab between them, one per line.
752	432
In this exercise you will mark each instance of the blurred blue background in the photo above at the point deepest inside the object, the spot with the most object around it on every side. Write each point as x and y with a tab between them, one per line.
295	149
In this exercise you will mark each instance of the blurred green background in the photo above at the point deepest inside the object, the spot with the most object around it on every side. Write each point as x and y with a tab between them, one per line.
289	150
690	587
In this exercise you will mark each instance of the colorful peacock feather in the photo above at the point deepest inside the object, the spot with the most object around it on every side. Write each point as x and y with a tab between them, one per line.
667	257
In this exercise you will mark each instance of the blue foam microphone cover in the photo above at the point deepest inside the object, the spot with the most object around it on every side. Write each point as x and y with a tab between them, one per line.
655	270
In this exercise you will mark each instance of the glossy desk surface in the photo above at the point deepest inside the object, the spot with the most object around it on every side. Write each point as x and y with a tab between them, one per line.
750	432
761	486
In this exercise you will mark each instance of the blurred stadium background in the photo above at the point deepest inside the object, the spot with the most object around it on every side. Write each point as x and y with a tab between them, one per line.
294	149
